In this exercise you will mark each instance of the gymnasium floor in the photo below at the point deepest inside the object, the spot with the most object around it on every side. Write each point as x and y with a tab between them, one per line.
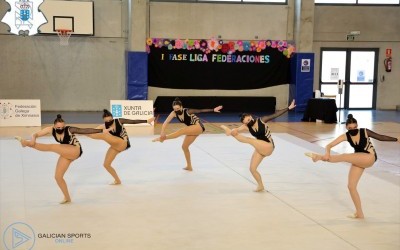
160	206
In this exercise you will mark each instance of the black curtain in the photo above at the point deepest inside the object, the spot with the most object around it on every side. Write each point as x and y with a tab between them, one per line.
247	70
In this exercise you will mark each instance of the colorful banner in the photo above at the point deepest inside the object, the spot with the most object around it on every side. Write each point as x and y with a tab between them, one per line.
20	113
218	64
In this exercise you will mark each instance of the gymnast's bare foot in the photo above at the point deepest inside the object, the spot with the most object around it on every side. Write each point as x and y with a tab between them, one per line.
23	142
156	139
314	157
356	216
226	129
160	139
65	201
259	189
189	168
115	183
150	120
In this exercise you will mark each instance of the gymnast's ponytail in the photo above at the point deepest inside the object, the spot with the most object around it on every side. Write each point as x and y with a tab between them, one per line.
106	113
177	101
58	119
350	120
243	115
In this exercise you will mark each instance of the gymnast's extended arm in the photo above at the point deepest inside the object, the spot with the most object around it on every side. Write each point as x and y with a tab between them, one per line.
278	113
196	111
85	131
379	137
129	121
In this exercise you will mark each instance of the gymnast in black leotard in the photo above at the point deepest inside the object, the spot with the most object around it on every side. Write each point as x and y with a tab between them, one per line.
192	131
363	157
364	144
262	143
263	133
69	148
67	137
190	119
120	130
117	138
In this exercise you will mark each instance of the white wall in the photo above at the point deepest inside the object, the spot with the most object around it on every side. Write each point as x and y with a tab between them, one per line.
205	20
230	21
85	75
380	28
82	76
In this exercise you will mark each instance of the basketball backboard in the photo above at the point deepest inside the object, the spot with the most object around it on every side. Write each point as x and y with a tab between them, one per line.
68	15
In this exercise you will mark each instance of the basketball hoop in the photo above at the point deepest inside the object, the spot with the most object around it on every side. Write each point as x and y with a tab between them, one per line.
64	36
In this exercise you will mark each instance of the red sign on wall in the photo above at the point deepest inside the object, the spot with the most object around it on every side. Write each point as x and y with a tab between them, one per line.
388	52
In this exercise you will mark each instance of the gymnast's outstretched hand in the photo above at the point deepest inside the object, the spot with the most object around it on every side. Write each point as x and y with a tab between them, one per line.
292	105
217	109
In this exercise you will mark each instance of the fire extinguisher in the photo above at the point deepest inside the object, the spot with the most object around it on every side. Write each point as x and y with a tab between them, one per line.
388	64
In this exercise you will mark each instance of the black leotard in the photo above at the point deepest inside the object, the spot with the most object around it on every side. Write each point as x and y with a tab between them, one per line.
120	132
68	138
69	135
190	119
263	132
364	145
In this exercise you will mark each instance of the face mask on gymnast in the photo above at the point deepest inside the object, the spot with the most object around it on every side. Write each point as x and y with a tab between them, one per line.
251	123
353	132
109	123
60	130
179	112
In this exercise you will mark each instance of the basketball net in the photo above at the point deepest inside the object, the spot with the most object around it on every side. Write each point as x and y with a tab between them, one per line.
64	36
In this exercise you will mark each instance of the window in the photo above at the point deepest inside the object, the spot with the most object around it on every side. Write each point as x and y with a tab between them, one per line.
357	67
219	0
333	66
226	1
362	66
265	1
337	1
378	2
359	2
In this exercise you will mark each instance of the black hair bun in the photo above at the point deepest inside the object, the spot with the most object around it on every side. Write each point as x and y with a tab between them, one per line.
58	116
177	99
349	116
105	110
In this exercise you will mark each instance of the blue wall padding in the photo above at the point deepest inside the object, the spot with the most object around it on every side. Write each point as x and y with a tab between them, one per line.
301	83
136	75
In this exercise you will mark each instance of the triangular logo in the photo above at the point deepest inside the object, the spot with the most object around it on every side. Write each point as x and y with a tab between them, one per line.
19	238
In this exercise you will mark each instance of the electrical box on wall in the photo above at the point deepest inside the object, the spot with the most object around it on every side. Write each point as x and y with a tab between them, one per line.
350	37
